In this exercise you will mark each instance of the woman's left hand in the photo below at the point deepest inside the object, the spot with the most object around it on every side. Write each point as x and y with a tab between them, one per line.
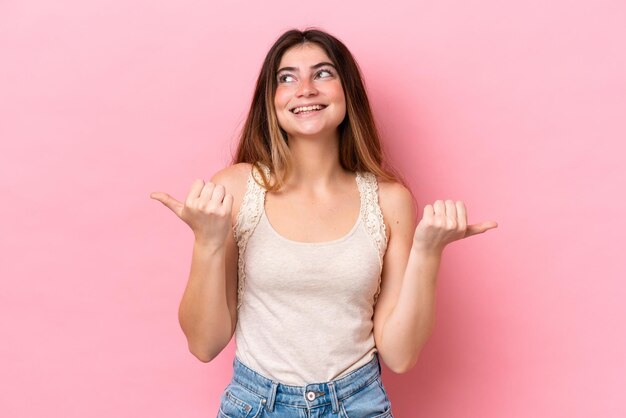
443	223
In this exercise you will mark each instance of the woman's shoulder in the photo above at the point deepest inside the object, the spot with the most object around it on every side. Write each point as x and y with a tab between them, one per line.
234	178
392	191
396	201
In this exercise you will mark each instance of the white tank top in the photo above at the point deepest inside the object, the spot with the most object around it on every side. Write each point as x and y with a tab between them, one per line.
305	310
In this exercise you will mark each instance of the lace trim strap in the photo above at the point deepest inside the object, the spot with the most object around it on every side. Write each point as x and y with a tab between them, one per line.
247	219
372	216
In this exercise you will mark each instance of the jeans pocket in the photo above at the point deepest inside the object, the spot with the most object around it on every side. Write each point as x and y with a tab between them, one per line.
369	402
382	387
239	402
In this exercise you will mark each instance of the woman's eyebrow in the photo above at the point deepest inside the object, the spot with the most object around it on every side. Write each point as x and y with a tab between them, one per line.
321	64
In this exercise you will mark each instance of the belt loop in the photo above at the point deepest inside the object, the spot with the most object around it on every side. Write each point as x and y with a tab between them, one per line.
380	370
333	397
272	397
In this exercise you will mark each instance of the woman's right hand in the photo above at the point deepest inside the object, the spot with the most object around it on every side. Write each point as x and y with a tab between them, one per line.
207	211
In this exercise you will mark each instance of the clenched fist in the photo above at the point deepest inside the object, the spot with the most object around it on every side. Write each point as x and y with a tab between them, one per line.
207	211
443	223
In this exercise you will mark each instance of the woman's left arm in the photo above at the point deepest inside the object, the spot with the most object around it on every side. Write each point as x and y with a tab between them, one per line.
404	312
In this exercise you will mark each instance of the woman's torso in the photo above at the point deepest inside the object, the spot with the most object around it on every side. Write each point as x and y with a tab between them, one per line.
306	307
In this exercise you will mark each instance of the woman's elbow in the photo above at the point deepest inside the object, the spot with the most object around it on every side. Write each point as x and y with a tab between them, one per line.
202	354
405	367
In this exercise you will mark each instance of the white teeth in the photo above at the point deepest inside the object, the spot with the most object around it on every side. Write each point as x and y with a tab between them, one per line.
307	108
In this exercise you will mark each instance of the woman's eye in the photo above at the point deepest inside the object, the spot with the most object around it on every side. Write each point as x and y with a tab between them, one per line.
325	71
282	78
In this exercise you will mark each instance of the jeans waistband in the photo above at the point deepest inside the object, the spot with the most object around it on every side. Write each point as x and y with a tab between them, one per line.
310	395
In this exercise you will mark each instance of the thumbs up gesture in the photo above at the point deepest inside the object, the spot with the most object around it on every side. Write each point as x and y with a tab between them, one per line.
443	223
207	210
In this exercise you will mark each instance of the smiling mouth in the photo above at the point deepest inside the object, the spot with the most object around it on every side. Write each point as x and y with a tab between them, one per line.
307	109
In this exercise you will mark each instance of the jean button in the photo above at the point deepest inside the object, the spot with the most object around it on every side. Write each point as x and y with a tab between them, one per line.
310	395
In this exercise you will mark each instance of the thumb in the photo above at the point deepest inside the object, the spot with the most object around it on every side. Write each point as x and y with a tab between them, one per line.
173	204
480	228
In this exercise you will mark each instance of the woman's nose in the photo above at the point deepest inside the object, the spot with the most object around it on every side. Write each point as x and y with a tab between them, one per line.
306	88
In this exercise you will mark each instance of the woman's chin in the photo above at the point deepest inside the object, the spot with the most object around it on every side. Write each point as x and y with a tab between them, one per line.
312	133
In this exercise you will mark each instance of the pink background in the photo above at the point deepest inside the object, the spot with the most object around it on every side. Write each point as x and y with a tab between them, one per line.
516	108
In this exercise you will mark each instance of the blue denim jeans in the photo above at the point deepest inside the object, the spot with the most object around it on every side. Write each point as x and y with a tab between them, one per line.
359	394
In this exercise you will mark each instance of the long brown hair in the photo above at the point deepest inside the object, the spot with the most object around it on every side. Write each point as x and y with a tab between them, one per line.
263	140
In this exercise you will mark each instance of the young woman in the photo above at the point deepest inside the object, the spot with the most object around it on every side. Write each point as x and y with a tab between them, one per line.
306	247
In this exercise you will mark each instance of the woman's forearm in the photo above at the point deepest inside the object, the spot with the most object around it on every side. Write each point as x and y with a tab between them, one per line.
410	322
203	313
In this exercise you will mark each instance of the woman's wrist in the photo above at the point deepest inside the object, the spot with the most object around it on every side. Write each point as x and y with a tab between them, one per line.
426	251
207	245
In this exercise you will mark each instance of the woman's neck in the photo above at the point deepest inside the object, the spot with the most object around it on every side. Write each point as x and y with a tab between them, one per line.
315	162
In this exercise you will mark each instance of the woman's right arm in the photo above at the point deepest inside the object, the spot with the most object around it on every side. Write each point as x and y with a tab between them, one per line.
208	309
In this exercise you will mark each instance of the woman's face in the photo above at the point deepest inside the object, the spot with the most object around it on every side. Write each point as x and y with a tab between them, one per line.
306	77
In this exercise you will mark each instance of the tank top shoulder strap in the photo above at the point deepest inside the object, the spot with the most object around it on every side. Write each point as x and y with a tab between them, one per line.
372	215
247	219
